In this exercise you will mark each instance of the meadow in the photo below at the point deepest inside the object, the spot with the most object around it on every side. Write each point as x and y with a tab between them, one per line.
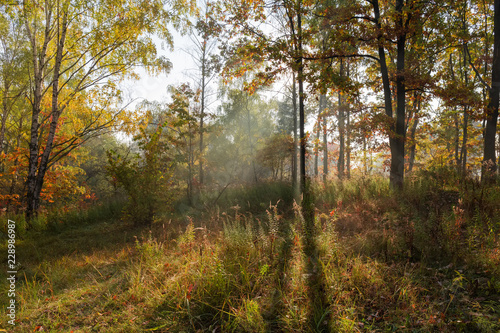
424	260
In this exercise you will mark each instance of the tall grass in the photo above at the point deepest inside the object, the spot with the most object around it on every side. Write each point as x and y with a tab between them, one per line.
386	262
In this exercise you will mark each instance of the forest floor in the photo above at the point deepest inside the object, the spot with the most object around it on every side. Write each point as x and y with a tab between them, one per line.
376	263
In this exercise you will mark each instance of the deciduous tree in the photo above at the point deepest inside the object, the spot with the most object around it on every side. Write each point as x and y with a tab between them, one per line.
78	47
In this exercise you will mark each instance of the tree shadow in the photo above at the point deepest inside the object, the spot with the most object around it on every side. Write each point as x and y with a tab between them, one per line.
277	306
318	318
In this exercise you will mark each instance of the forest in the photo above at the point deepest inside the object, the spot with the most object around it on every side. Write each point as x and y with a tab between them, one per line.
325	166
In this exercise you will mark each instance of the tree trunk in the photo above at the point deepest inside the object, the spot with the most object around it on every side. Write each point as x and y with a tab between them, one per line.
321	117
202	111
489	159
341	121
295	137
457	140
397	161
300	81
37	171
5	114
202	116
190	166
413	147
348	132
39	58
456	123
396	177
56	113
348	144
413	130
365	158
281	169
250	143
316	143
322	100
463	152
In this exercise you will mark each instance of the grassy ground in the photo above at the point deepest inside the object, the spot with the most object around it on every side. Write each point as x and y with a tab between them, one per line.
422	261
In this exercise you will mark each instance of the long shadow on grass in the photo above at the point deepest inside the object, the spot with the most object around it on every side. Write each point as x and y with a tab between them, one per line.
318	317
277	308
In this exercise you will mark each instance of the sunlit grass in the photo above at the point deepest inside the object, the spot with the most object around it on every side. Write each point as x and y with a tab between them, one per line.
250	273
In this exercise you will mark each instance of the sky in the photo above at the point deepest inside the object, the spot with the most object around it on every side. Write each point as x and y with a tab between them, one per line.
155	87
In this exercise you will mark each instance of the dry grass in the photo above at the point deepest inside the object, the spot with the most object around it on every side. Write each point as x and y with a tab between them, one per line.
243	273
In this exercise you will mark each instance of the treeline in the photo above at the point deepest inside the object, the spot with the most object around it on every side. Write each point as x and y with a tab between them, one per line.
419	73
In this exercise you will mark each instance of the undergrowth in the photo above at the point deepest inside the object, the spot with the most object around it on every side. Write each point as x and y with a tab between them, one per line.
423	260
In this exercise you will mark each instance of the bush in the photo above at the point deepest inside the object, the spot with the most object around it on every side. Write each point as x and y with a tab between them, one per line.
146	177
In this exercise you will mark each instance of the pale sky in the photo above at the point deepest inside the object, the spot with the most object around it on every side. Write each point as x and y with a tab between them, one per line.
155	87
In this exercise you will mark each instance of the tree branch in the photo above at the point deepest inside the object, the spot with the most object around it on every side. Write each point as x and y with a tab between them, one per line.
334	56
475	69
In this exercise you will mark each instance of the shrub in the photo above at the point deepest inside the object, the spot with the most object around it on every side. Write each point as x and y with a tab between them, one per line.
145	176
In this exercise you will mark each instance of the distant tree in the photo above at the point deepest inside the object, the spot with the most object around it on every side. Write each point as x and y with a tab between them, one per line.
245	121
287	123
182	128
275	153
208	65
